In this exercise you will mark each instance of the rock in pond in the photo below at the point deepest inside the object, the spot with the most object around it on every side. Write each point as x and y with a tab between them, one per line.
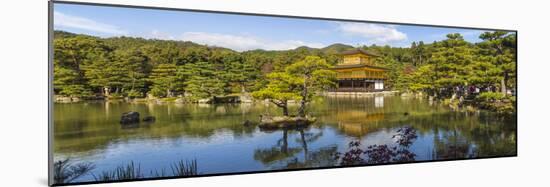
129	118
149	119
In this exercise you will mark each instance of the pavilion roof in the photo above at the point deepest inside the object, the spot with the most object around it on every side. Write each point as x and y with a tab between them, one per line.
345	66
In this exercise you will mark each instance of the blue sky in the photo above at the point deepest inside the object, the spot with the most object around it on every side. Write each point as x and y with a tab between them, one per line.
240	32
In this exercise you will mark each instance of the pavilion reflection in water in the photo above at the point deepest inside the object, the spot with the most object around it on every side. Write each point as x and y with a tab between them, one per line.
360	120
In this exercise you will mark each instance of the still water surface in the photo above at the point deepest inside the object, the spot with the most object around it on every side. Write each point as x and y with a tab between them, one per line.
214	135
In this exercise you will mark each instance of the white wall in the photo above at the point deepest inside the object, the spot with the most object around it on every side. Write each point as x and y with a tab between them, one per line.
23	89
378	84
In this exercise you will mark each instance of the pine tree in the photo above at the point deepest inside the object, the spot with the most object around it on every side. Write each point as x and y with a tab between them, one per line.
499	48
136	67
71	56
202	80
300	80
450	59
164	80
280	89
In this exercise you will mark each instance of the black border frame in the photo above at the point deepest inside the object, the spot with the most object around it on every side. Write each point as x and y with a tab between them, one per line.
50	88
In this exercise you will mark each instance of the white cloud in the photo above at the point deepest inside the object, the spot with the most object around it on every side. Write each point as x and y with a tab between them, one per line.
243	42
69	21
374	33
156	34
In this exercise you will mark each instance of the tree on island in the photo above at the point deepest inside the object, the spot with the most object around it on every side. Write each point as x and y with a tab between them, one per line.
312	75
299	81
279	90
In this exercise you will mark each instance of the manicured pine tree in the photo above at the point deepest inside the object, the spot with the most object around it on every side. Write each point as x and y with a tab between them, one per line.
106	74
499	48
164	80
281	88
137	68
312	75
300	81
71	55
202	81
449	60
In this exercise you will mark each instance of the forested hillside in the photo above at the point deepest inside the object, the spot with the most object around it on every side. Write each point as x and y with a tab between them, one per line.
88	66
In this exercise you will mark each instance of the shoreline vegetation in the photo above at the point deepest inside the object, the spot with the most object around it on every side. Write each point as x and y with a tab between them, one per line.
66	171
452	71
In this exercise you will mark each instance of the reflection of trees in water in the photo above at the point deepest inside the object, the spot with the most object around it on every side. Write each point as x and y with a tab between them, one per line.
79	135
456	134
452	145
323	157
283	156
481	141
495	144
81	128
278	152
447	145
379	154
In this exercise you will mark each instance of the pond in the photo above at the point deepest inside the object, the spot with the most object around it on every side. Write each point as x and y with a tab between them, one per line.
214	135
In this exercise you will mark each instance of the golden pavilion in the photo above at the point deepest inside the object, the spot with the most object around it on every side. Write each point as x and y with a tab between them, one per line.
357	72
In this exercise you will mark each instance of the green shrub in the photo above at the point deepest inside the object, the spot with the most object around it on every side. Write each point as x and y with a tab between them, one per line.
490	96
116	96
451	103
134	93
169	99
157	92
497	102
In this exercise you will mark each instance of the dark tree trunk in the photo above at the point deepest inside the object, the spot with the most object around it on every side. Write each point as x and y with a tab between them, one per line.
283	105
285	110
302	109
303	102
503	83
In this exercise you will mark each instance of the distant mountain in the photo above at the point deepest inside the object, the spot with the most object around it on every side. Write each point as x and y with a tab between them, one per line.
129	42
126	42
337	48
305	48
63	34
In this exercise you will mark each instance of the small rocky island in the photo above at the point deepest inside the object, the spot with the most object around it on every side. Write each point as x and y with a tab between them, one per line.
298	83
285	122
